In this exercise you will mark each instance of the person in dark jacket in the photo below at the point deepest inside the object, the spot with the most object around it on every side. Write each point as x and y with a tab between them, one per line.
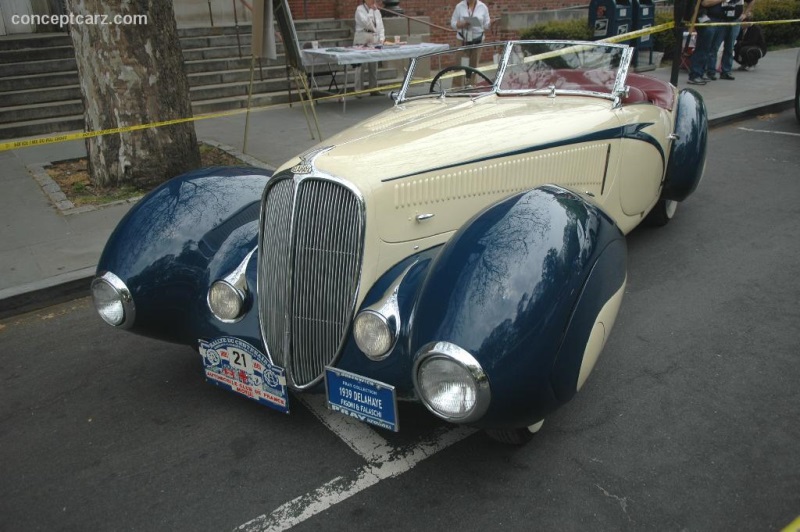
750	47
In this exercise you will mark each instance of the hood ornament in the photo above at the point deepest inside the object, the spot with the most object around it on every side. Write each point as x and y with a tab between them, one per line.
306	164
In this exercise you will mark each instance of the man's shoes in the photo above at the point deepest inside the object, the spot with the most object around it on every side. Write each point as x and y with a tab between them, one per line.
742	68
727	75
696	81
709	76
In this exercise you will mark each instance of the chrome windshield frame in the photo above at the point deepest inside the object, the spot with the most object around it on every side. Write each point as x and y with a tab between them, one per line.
616	93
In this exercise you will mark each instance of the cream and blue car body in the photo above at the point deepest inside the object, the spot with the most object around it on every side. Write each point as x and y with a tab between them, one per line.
464	248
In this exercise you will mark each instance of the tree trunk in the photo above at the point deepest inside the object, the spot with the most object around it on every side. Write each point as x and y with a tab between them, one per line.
132	74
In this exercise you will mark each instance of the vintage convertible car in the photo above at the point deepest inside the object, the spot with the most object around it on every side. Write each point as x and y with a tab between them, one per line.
464	249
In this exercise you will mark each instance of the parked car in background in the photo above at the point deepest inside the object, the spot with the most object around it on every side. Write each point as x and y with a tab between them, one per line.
464	249
797	88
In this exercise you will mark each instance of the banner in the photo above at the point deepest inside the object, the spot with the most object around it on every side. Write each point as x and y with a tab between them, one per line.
263	44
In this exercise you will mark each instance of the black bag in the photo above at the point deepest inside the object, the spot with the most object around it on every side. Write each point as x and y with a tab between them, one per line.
473	41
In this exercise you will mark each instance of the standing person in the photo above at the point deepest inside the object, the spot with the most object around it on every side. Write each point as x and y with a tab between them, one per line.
701	59
729	11
369	31
463	21
470	19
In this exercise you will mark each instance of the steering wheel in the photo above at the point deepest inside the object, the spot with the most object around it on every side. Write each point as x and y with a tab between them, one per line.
453	68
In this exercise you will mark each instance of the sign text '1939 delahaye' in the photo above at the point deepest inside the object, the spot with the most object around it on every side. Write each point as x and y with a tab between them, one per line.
464	248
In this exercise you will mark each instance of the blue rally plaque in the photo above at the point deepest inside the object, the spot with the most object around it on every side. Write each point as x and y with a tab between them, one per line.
365	399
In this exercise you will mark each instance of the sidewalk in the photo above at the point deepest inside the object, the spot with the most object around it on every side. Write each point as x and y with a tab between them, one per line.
48	257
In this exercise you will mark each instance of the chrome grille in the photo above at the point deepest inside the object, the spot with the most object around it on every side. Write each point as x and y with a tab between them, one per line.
309	266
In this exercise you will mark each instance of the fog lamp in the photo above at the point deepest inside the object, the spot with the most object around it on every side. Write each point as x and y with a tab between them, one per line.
374	333
451	383
113	300
225	301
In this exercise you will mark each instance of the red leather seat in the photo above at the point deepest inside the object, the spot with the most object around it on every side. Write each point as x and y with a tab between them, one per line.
635	95
657	92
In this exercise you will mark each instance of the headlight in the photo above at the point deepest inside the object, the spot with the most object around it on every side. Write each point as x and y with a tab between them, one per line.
374	333
225	301
113	300
451	383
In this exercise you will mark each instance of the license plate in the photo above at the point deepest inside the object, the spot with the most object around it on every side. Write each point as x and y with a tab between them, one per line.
237	366
365	399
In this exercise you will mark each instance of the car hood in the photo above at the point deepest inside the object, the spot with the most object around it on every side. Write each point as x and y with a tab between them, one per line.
419	136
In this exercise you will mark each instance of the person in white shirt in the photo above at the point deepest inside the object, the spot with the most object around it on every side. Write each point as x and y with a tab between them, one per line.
369	31
461	21
470	20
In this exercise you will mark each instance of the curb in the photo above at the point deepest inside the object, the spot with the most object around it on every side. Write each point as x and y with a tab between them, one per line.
733	116
73	285
51	291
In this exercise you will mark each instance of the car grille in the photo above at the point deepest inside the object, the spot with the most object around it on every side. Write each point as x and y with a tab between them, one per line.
309	263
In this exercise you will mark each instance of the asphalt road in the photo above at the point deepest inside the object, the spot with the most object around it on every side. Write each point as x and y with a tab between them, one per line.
689	422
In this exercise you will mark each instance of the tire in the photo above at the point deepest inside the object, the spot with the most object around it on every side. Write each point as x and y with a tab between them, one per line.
517	437
662	213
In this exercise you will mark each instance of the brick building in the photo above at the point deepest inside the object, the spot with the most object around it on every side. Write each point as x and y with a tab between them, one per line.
199	13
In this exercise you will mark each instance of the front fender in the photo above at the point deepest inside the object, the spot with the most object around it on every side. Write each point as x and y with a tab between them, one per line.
175	238
507	288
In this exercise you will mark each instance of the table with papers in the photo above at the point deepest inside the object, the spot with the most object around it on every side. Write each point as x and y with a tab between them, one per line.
355	55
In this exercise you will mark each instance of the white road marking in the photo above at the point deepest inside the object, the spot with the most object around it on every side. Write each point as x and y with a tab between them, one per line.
362	439
773	132
383	461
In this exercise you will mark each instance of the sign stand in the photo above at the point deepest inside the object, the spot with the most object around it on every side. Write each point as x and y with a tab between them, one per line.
264	44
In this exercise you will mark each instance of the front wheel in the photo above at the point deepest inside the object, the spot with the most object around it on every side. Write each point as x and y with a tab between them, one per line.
662	213
517	437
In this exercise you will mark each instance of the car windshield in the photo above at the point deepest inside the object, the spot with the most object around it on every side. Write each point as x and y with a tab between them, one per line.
521	68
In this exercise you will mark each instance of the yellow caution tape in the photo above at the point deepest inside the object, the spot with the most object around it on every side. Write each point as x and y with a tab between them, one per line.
740	22
794	526
27	143
638	33
41	141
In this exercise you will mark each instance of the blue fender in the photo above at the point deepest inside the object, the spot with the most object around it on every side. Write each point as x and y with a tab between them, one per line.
688	153
396	367
188	231
519	287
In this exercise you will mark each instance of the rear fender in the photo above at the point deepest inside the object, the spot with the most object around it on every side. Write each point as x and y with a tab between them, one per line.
688	153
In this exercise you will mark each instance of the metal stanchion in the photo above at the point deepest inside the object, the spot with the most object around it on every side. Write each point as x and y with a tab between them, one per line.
236	25
249	100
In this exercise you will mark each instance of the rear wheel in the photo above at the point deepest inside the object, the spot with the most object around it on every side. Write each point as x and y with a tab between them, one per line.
662	213
516	437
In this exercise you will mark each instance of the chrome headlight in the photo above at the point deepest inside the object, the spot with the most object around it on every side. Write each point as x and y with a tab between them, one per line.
225	301
113	300
451	382
374	333
375	328
227	298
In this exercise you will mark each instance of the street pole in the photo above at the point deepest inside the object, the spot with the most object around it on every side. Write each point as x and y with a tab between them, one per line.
677	52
